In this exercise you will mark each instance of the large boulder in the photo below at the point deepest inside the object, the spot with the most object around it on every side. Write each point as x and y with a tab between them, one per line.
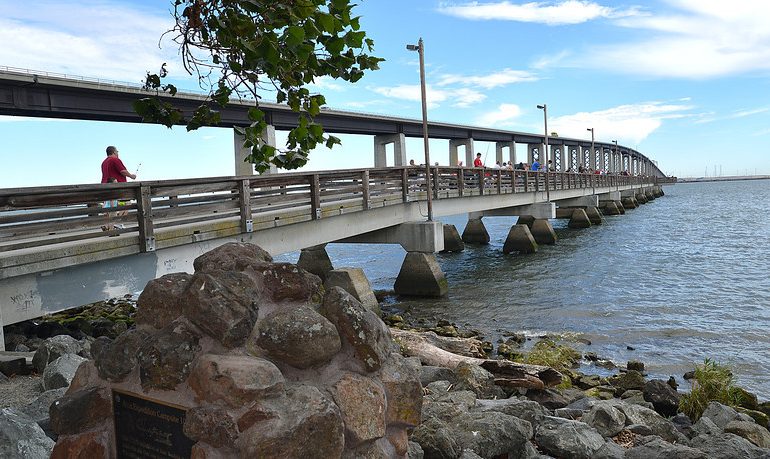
359	327
354	281
750	431
362	402
233	256
38	409
298	336
401	379
117	359
159	304
657	424
606	419
656	447
53	348
235	380
720	414
728	446
478	380
60	372
22	438
80	411
566	438
663	397
166	358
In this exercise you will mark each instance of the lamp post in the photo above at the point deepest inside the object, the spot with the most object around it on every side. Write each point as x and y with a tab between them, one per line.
593	149
616	153
420	48
544	108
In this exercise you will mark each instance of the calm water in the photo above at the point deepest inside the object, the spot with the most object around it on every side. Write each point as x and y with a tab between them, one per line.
679	279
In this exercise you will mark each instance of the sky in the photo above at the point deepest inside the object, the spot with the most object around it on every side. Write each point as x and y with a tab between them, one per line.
685	82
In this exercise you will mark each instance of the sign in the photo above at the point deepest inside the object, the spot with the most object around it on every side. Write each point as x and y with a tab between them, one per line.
146	428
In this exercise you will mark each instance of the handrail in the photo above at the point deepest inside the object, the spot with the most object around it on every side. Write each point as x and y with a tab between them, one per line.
36	217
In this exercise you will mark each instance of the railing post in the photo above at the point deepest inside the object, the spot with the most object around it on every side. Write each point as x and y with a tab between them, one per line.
481	182
526	181
144	217
315	197
244	194
499	181
435	182
365	189
404	185
460	181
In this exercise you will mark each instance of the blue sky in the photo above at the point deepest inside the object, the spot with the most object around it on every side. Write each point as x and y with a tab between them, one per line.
686	82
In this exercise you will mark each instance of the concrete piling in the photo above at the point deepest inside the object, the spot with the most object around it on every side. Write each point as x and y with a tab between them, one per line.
452	240
315	260
594	216
355	282
543	232
621	207
475	232
579	219
520	240
421	275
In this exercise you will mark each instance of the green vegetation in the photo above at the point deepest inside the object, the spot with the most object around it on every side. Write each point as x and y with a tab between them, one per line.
552	354
245	48
712	382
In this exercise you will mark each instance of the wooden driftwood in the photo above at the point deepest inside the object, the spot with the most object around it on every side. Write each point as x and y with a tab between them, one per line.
426	346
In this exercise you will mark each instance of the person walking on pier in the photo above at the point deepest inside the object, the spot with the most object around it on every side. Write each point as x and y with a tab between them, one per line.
477	162
535	165
113	167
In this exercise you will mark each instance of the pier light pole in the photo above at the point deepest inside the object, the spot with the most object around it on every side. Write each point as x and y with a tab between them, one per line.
593	150
420	48
544	108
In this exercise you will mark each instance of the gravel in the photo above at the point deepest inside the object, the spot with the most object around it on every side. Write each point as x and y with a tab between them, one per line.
19	391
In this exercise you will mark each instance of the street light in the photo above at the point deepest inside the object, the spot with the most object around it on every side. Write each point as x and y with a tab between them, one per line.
420	48
544	108
593	149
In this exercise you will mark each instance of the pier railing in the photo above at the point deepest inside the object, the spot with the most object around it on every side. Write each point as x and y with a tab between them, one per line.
33	218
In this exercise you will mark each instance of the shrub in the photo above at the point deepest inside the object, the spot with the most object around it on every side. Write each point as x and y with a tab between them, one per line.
713	382
551	354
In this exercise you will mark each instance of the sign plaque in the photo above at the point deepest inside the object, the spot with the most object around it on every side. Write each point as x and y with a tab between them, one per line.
146	428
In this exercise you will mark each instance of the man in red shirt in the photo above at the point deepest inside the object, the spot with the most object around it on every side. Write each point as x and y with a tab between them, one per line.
477	162
113	167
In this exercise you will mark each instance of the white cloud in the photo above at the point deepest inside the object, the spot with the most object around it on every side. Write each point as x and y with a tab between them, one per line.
711	117
702	39
493	80
629	124
551	13
88	38
325	83
503	116
461	97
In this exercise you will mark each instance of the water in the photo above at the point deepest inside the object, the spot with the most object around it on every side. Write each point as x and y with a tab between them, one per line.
680	279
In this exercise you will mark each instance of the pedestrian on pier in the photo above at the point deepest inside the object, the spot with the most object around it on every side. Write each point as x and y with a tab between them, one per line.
535	165
477	162
113	167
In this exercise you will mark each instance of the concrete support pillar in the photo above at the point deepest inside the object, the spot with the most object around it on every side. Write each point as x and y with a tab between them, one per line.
399	149
648	194
452	240
520	240
354	281
246	168
535	150
500	146
597	157
641	198
421	275
620	206
594	215
629	202
543	232
315	260
454	144
475	232
579	219
528	220
609	208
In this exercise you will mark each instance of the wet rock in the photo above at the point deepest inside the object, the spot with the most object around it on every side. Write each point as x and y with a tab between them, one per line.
38	409
80	411
53	348
362	404
656	447
629	380
307	424
663	397
745	398
727	446
166	358
587	381
564	438
235	380
233	256
750	431
159	304
606	419
635	365
222	304
478	380
60	372
401	379
22	438
359	327
210	424
298	336
116	359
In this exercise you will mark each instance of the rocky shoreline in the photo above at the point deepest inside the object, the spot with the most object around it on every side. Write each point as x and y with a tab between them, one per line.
465	410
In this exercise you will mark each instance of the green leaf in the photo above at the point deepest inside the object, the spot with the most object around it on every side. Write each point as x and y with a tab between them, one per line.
294	35
326	21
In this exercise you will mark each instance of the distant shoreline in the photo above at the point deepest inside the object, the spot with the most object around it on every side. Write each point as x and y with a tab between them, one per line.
728	178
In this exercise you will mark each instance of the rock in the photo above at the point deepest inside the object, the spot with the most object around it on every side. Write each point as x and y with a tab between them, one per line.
159	304
568	413
79	411
705	426
727	446
436	439
663	397
354	281
720	414
315	260
60	372
362	329
362	404
636	397
306	424
285	282
601	392
38	409
210	424
745	398
657	424
758	416
116	359
606	419
235	380
549	398
379	449
527	410
166	358
469	454
587	381
478	380
610	450
233	256
223	304
22	438
635	365
398	438
401	379
750	431
656	447
629	380
298	336
683	424
13	365
415	451
429	374
92	445
565	438
86	376
53	348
